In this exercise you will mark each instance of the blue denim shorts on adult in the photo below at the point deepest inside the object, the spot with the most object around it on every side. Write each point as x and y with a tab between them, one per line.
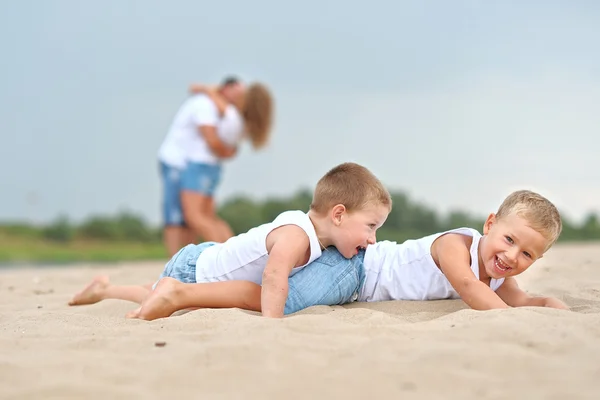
201	178
171	202
329	280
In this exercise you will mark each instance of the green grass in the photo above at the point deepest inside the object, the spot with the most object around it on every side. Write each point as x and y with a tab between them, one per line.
19	249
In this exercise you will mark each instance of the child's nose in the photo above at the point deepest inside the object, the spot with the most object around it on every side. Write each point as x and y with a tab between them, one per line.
372	239
512	254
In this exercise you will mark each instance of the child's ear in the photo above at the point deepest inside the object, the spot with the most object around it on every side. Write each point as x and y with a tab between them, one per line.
337	214
491	220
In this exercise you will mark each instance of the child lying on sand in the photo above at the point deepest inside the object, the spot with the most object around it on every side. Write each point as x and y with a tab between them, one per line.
349	205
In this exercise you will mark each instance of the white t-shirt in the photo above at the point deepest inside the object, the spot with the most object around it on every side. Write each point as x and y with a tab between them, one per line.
407	271
185	143
244	257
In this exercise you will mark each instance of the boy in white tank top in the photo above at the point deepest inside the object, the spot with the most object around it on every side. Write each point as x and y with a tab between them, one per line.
461	263
251	270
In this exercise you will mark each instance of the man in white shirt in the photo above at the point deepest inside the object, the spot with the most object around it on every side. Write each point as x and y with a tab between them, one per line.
200	136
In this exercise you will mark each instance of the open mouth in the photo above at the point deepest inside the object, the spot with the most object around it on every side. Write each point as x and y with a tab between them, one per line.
501	265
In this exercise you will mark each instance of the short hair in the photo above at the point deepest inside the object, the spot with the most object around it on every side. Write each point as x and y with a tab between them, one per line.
352	185
230	80
258	114
541	214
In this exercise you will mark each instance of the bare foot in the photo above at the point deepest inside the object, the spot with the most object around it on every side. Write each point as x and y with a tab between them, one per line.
134	313
92	293
160	303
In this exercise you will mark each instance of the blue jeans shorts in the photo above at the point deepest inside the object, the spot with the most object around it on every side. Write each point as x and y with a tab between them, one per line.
182	266
329	280
171	202
201	178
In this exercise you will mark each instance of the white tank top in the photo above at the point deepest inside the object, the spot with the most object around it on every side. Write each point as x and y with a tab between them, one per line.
244	257
407	271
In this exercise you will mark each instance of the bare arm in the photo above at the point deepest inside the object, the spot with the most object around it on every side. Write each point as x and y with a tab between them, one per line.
213	93
216	145
512	294
288	249
454	260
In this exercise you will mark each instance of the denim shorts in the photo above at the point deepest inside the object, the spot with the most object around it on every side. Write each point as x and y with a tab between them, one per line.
329	280
171	203
182	266
201	178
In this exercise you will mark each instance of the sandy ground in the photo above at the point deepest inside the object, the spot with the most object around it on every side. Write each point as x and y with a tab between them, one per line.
417	350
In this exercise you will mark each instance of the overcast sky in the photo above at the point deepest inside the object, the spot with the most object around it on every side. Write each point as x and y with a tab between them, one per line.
455	102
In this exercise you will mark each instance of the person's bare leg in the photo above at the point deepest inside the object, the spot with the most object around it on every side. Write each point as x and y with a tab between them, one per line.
189	237
199	216
175	238
171	295
222	228
101	289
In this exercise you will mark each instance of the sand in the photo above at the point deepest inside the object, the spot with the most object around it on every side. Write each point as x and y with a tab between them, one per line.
417	350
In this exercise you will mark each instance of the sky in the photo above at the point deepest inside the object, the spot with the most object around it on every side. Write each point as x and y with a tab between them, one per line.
455	103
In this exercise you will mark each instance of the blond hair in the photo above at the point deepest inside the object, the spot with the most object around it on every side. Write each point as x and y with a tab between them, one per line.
257	112
541	214
352	185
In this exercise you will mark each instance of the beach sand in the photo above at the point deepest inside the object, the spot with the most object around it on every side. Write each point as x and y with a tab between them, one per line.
417	350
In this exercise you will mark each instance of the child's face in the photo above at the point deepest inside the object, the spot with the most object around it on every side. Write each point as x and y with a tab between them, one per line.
355	230
510	246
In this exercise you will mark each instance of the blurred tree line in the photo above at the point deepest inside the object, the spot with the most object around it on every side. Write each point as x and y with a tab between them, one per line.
408	220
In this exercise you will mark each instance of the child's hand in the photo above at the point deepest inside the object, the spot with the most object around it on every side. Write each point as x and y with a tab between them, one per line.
555	303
